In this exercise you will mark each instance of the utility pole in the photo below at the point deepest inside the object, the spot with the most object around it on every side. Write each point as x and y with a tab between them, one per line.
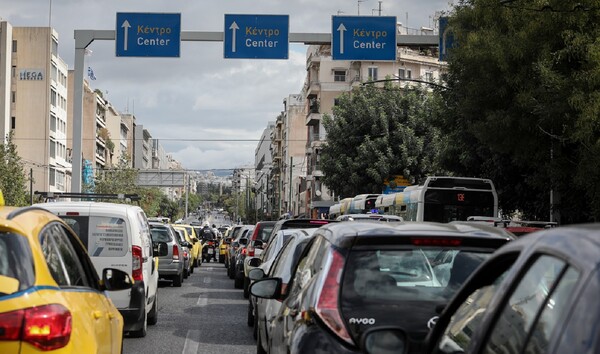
31	186
291	176
358	5
187	193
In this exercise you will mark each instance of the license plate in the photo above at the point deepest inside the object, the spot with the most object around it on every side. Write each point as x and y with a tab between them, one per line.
210	251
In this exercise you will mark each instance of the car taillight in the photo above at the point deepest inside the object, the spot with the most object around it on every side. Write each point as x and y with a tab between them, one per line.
46	327
175	253
250	251
185	254
210	243
243	251
328	304
136	252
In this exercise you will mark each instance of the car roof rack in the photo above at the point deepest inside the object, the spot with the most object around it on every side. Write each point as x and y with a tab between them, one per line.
53	196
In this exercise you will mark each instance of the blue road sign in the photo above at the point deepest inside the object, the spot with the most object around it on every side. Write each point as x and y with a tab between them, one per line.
256	36
148	34
363	38
446	39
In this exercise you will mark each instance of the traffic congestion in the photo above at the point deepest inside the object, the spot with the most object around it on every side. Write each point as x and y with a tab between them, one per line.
350	285
300	177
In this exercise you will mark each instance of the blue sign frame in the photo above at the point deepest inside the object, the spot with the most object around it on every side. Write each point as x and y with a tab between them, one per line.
256	37
363	38
148	34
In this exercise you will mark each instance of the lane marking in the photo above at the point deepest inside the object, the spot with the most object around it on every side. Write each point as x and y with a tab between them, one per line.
202	301
192	342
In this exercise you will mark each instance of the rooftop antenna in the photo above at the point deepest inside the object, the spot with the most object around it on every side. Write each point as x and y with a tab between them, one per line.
358	3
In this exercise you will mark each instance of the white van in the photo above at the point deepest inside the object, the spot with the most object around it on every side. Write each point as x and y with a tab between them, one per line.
118	236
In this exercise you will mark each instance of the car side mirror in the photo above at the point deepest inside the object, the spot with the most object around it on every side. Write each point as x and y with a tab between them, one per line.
384	340
227	240
256	274
269	288
115	279
160	249
243	241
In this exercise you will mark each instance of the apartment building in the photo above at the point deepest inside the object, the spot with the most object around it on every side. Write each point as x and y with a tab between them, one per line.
327	79
33	103
263	161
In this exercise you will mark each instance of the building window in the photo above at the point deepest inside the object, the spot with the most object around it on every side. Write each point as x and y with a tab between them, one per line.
14	46
404	73
53	97
336	101
54	72
339	75
372	73
52	176
13	96
14	71
60	180
52	149
52	123
13	122
429	76
54	47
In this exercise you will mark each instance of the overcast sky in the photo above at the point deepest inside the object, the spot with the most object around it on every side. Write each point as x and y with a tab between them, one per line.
200	95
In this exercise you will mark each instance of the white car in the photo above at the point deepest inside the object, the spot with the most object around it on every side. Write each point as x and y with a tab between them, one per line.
118	236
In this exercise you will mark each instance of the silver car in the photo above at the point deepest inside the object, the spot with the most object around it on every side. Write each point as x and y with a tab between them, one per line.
187	256
170	266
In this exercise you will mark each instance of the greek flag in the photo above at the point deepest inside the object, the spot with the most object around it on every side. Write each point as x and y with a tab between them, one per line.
91	73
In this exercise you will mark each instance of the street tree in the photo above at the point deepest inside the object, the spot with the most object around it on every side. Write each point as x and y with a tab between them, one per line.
523	103
378	132
13	180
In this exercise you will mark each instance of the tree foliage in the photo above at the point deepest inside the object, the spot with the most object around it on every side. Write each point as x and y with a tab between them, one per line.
523	103
13	180
377	133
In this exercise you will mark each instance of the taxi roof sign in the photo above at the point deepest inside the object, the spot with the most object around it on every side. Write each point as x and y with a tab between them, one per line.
1	198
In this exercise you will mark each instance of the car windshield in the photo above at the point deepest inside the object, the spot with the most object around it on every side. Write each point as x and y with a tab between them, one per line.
16	264
408	274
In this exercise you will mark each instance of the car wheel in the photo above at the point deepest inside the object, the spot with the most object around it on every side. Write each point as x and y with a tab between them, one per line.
178	280
230	272
250	320
153	315
140	333
259	347
255	329
221	259
185	274
238	282
246	287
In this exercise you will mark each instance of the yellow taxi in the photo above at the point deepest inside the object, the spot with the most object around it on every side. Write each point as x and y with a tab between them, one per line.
51	298
190	236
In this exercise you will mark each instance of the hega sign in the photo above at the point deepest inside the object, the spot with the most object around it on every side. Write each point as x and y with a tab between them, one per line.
31	75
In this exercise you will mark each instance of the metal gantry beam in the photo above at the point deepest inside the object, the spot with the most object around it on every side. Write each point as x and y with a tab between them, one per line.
83	38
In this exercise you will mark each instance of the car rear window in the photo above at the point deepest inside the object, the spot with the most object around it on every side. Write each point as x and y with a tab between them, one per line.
160	234
16	264
265	233
102	236
424	274
304	224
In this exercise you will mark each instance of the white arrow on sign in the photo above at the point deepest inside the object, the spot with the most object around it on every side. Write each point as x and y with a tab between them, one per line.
234	27
126	27
341	29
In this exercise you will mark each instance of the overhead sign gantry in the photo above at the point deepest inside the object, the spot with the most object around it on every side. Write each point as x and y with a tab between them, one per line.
160	35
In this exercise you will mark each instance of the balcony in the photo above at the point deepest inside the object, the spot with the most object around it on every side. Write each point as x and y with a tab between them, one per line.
313	118
312	87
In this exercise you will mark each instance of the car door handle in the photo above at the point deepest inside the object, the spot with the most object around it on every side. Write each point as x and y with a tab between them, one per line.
97	315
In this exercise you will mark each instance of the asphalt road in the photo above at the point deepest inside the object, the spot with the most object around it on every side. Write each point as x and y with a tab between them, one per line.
205	315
